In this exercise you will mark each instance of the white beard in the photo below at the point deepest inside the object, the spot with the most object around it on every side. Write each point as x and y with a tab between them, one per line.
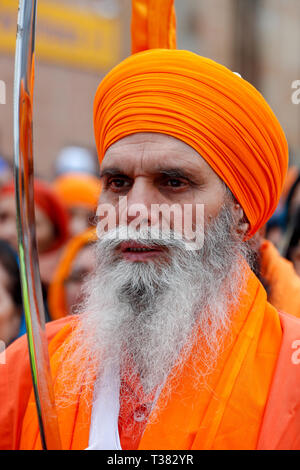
145	318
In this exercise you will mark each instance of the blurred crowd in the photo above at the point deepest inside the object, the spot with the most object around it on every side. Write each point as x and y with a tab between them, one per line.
283	229
65	228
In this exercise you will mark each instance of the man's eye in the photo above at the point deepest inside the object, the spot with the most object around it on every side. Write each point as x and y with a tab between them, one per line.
175	183
117	183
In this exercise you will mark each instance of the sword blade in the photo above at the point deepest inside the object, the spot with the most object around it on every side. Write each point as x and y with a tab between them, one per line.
29	266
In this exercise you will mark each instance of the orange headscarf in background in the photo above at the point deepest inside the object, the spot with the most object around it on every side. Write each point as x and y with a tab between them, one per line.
220	115
78	190
56	293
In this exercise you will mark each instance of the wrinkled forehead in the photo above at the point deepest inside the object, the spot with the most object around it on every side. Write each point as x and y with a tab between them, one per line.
153	152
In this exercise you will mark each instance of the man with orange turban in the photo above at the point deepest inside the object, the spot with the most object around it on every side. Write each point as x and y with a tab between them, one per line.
177	346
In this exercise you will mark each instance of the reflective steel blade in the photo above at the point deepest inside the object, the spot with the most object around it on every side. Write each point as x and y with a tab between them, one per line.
29	266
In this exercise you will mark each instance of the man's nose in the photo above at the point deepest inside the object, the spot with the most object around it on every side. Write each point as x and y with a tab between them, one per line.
140	199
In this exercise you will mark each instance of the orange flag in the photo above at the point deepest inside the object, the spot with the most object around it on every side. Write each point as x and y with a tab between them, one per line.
153	25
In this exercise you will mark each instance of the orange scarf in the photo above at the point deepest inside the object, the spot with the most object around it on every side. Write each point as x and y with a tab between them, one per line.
225	414
78	190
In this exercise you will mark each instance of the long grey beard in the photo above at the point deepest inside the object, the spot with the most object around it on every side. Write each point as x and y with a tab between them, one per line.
146	318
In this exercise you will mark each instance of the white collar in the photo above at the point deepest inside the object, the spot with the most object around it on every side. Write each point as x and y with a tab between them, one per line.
104	432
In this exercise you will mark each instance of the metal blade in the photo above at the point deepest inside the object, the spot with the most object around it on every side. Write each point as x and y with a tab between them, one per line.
29	266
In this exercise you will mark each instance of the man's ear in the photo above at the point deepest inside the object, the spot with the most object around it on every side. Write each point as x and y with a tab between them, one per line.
242	224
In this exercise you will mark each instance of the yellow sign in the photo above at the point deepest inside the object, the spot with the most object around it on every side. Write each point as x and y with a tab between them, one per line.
65	35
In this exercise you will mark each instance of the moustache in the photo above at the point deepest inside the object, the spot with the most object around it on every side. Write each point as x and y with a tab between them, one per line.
148	237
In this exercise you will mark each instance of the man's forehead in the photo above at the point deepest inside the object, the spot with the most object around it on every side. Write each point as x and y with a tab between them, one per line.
153	152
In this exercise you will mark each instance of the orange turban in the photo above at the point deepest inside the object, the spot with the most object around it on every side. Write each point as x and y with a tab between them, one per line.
220	115
78	189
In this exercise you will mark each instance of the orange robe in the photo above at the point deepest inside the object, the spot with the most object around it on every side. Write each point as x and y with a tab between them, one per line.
245	405
282	279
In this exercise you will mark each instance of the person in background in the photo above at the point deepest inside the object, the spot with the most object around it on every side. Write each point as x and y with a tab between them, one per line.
277	227
272	265
76	159
290	216
12	323
80	193
293	200
278	276
75	265
52	224
291	176
293	248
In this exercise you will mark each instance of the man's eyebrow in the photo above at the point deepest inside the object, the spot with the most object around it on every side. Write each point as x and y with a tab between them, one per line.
114	171
170	172
179	172
174	172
